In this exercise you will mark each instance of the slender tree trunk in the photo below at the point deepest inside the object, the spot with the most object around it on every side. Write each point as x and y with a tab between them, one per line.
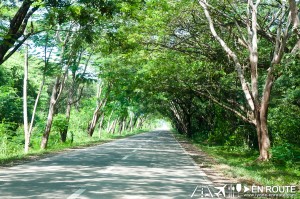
96	115
36	104
124	124
134	124
100	125
53	101
46	60
111	126
63	134
93	123
109	121
120	126
138	124
25	113
264	140
129	125
114	126
100	104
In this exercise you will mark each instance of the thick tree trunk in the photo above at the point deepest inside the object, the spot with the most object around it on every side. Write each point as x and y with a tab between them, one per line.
264	140
263	137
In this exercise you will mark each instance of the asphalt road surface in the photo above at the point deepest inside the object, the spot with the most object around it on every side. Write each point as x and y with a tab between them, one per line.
149	165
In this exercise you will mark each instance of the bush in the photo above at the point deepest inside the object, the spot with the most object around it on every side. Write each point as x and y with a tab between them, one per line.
282	154
60	123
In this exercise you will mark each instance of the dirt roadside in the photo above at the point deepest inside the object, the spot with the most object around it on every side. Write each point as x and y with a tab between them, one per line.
219	174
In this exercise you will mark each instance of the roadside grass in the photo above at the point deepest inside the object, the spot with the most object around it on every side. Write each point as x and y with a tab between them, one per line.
242	165
80	140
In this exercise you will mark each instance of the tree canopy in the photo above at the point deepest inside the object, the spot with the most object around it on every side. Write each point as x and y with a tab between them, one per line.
225	72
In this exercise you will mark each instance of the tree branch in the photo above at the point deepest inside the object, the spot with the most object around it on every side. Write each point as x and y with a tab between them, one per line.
230	53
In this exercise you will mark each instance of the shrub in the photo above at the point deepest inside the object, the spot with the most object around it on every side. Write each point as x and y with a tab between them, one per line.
282	154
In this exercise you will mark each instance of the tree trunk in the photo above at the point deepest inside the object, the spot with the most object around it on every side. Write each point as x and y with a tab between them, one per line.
109	121
138	124
113	125
120	126
110	126
36	104
93	123
53	101
100	104
100	125
130	126
64	133
263	134
124	124
96	115
25	113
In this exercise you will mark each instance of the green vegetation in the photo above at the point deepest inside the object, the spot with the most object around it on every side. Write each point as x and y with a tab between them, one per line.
243	165
283	169
81	140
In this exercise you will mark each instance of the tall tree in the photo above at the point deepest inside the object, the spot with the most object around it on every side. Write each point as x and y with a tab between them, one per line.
58	86
281	21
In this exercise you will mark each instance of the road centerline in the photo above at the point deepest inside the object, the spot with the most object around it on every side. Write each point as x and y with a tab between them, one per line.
76	194
125	157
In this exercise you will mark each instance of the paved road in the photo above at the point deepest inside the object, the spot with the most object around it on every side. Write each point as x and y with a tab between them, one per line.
149	165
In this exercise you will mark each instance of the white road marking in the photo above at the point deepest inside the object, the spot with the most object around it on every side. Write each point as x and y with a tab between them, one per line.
76	194
125	157
194	192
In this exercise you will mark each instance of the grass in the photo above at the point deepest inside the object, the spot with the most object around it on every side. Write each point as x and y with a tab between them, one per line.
242	164
16	155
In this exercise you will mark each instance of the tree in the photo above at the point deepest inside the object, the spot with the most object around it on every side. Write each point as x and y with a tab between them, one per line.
15	31
57	88
281	22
